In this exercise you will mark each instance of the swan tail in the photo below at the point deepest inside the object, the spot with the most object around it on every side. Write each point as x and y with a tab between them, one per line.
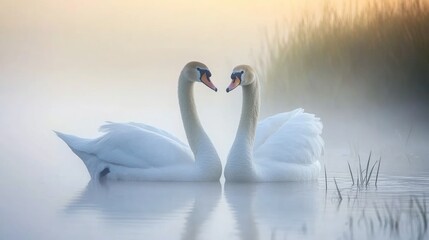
75	143
80	147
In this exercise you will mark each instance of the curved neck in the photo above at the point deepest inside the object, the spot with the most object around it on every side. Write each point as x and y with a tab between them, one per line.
249	114
203	149
241	153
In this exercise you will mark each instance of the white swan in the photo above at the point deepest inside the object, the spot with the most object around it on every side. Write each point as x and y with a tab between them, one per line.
284	147
138	152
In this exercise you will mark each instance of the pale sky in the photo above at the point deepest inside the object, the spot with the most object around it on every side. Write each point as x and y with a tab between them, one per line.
69	65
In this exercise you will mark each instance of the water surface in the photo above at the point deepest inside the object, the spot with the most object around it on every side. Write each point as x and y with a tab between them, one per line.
135	210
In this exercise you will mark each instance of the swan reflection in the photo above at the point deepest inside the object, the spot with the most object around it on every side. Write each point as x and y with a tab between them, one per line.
287	209
149	201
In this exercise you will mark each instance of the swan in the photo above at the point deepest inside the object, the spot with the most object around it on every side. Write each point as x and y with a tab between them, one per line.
139	152
283	147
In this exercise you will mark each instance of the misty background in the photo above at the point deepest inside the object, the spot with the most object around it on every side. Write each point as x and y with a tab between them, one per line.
361	66
70	66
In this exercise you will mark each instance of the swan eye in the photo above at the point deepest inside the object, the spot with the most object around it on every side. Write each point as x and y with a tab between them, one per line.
236	75
202	71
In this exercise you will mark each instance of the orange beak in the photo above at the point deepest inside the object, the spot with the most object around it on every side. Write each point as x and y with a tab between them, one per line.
207	82
235	82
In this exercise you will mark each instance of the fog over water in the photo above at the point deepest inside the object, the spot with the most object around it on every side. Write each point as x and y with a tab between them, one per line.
72	65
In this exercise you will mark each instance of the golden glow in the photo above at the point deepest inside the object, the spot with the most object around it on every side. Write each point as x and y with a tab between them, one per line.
120	60
141	33
50	35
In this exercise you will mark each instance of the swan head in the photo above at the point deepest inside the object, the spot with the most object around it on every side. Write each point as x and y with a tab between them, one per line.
241	75
198	72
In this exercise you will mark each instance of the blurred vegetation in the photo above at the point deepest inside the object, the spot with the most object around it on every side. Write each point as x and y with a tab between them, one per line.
372	57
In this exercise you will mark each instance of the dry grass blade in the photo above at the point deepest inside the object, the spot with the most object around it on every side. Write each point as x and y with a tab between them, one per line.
338	190
351	174
378	170
370	173
392	222
389	216
367	167
377	214
423	213
360	171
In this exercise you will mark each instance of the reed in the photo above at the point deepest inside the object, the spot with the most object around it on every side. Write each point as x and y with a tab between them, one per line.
370	173
347	57
367	167
338	190
363	176
423	212
378	170
391	221
351	174
360	171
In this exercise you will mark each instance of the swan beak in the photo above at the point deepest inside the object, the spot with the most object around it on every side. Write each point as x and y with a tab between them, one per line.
235	82
207	82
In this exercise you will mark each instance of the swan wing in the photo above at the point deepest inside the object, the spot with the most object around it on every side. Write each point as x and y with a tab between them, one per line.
158	131
267	127
292	137
137	147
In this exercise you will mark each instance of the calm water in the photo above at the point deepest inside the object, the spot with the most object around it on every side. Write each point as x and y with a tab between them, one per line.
45	193
49	206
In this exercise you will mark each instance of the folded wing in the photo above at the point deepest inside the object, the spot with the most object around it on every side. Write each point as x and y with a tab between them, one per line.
291	137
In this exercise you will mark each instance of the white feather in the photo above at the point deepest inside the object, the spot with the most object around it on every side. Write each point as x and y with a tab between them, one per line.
136	151
283	147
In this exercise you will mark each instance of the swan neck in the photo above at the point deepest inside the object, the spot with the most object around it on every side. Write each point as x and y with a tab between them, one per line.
249	113
199	142
240	159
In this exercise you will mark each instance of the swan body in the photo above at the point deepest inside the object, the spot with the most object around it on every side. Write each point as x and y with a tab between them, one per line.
139	152
283	147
